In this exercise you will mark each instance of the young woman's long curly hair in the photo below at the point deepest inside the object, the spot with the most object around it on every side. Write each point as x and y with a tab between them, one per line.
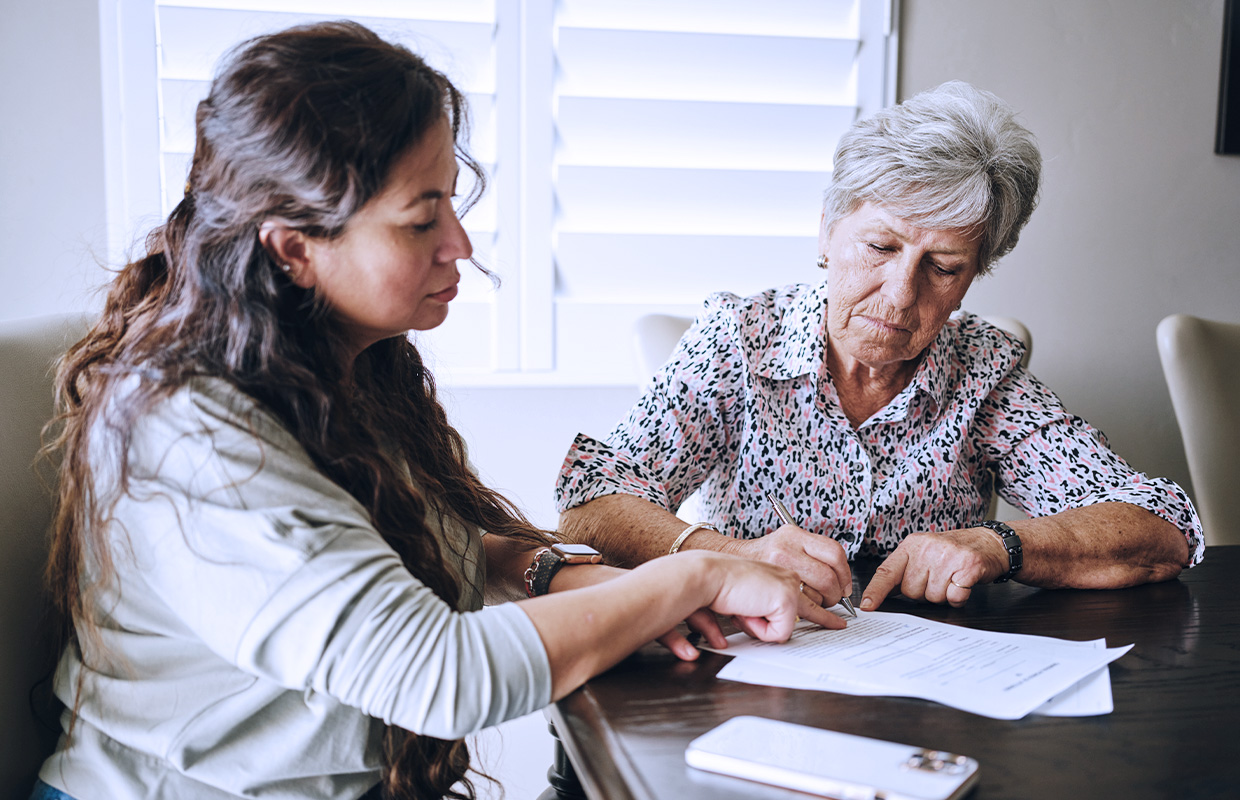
300	127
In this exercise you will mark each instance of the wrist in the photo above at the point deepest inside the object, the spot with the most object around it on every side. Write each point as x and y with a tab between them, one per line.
696	574
1012	559
549	561
693	530
579	576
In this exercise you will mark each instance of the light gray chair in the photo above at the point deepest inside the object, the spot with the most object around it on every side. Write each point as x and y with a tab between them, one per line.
28	350
656	335
1201	361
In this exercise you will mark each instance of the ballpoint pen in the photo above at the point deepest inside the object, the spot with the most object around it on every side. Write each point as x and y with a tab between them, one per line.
788	520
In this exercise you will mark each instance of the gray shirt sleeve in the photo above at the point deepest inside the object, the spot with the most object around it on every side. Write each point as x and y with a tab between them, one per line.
277	570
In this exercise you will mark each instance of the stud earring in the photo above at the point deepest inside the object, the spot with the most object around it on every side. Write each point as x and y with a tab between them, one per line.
821	262
286	268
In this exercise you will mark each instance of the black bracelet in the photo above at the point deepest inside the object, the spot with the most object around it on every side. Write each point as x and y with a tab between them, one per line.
542	569
1011	543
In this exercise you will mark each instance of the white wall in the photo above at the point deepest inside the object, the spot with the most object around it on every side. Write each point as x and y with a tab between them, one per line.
1138	219
52	208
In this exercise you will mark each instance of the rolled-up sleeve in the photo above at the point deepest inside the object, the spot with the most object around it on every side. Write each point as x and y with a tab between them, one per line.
1048	460
679	429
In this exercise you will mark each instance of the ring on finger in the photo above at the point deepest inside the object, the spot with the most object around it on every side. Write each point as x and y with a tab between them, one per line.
802	588
959	585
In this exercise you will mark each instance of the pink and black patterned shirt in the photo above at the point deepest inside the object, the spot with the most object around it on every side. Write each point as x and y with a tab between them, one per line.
746	405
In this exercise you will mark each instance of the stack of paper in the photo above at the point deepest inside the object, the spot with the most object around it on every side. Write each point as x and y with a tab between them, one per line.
1000	675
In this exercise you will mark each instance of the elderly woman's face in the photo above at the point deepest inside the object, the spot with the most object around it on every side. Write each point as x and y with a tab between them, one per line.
892	285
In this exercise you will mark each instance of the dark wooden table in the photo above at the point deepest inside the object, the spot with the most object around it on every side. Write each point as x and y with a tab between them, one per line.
1175	731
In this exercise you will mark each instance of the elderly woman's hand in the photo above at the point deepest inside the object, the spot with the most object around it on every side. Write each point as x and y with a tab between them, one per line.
819	561
941	567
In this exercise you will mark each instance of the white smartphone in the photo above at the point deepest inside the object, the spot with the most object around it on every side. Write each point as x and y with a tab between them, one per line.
828	763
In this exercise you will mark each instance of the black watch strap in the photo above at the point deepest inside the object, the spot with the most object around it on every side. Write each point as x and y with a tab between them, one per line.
1011	542
542	569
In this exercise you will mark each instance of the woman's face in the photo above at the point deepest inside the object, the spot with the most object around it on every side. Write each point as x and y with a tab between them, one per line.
394	268
891	284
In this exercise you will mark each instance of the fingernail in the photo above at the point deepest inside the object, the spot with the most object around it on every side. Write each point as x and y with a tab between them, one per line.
866	604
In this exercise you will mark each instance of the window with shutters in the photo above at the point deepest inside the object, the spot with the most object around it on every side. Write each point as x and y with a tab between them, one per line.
640	153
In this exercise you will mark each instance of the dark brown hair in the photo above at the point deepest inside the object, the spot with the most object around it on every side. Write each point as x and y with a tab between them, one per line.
301	127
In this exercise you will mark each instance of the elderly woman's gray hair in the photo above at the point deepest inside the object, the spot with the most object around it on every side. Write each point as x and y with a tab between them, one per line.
948	158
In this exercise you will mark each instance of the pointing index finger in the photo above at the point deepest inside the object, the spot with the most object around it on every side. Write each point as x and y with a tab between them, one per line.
888	576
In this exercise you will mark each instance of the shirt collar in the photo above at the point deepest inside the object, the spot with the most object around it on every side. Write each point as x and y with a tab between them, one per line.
796	348
797	345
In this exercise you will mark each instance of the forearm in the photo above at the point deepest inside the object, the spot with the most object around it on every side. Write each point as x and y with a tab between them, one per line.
588	630
629	530
1103	546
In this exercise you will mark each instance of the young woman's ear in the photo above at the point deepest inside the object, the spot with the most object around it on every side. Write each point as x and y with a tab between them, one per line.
290	249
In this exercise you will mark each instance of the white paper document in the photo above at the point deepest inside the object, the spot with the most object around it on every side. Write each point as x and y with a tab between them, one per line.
1004	676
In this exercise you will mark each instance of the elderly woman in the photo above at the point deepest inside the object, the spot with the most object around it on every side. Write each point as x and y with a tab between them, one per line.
880	419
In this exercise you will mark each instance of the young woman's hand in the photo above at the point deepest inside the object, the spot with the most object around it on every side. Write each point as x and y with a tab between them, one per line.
765	600
702	621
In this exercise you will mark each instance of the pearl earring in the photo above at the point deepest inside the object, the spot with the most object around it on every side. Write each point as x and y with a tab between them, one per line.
822	262
286	268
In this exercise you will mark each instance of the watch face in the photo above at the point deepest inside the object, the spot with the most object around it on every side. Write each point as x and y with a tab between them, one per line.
578	553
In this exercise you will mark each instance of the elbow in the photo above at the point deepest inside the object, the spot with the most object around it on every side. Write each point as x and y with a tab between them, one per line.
1162	571
569	519
452	729
576	524
1175	554
1153	566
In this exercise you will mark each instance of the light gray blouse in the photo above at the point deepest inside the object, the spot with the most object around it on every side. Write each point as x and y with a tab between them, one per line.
261	629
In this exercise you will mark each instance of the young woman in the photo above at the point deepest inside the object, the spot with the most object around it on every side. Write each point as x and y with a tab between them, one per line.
270	550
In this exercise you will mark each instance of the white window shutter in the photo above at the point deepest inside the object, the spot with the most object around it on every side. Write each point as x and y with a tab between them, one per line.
695	141
640	154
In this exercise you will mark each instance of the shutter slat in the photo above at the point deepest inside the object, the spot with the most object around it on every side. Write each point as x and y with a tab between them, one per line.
678	268
720	67
683	201
702	135
192	40
822	18
459	10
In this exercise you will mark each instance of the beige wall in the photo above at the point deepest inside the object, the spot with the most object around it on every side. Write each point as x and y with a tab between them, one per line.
1138	219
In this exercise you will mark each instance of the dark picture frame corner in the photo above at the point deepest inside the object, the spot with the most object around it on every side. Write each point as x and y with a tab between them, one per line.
1227	137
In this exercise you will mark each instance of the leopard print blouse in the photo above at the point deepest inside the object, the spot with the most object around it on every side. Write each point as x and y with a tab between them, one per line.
746	405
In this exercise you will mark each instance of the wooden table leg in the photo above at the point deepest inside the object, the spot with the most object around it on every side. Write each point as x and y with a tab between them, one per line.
561	775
